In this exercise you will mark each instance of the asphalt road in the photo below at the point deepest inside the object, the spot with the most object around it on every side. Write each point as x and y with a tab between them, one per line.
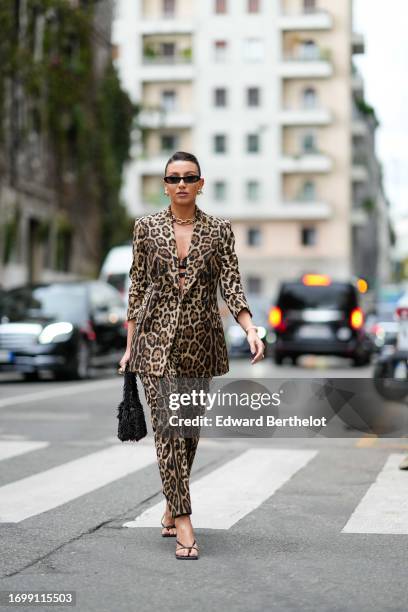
283	523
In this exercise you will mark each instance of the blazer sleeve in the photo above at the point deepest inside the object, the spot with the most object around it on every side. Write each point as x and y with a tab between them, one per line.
230	279
137	272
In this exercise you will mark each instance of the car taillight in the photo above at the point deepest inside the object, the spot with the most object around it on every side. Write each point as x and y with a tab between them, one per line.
356	318
402	312
89	331
275	317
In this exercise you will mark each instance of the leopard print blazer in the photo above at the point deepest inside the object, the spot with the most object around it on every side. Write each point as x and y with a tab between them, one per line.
160	310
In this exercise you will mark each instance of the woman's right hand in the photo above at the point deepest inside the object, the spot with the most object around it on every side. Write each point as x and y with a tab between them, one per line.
125	359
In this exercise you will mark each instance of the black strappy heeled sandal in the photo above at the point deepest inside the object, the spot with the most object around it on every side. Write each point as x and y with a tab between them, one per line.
189	557
168	535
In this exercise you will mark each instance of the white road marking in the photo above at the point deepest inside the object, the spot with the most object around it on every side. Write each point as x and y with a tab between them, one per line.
59	485
384	507
13	448
58	392
227	494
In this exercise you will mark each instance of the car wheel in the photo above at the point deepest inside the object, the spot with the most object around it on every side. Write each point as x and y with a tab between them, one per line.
278	359
386	385
361	360
81	369
30	376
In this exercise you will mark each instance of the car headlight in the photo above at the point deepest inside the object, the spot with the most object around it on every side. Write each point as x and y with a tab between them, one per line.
56	332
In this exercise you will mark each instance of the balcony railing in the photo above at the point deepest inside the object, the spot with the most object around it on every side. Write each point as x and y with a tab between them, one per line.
314	19
167	60
305	162
305	116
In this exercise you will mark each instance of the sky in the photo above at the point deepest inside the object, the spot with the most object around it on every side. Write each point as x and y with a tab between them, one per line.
384	67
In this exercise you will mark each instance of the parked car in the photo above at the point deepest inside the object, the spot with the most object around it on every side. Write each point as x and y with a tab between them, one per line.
382	326
115	269
391	369
63	327
235	336
319	316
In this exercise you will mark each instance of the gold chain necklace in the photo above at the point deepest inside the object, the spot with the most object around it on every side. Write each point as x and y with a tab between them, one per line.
183	221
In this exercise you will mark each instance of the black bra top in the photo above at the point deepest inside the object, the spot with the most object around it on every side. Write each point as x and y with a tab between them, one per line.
182	264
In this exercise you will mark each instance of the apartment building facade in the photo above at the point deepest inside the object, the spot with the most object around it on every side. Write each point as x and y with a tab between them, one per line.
261	92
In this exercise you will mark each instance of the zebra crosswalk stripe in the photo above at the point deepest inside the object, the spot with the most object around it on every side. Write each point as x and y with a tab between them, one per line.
384	507
227	494
46	490
13	448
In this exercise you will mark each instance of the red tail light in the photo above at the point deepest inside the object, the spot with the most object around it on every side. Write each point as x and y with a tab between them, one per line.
276	318
89	331
357	318
402	312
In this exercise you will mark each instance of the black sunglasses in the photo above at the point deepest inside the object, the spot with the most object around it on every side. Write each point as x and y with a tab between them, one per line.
190	178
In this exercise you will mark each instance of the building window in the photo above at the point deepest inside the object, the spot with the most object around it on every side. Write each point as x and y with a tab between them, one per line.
254	236
169	8
252	143
253	96
220	7
220	50
308	143
309	6
252	191
168	50
220	191
220	143
309	50
308	236
309	97
169	143
253	50
308	193
254	6
254	285
220	97
168	99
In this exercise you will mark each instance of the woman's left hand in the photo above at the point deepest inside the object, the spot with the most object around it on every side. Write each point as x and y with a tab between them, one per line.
256	345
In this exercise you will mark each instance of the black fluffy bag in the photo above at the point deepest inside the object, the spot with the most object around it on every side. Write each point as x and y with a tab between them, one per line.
132	423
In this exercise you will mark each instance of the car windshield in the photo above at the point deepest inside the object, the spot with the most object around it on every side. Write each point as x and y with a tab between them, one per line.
61	302
335	297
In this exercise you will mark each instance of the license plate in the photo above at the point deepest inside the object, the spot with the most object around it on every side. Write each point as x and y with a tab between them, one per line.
6	356
314	332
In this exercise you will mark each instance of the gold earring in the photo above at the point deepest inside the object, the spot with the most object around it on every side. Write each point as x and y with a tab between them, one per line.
199	191
166	193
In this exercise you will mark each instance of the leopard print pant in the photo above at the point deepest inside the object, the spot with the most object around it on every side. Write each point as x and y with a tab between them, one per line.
175	453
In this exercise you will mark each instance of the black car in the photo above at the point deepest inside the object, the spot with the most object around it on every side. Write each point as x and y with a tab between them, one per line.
63	327
318	316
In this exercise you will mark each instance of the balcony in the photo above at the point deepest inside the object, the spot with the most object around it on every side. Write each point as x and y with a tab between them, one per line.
305	162
302	210
357	83
152	166
155	118
313	20
298	66
359	173
359	128
357	43
305	116
358	217
165	26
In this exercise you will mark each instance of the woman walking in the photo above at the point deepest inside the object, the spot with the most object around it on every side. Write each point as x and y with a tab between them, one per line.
180	255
